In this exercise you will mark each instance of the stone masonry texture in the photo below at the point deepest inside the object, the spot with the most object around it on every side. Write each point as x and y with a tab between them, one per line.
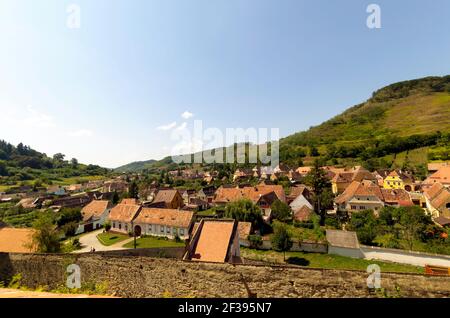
161	277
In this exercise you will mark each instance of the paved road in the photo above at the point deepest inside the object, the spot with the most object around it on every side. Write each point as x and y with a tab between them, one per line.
14	293
90	240
407	258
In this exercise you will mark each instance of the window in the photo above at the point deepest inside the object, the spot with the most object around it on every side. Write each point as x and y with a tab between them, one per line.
353	207
168	230
181	231
120	226
114	224
162	228
150	228
126	227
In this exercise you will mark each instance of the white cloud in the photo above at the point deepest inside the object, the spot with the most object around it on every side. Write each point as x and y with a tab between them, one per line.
81	133
182	126
34	118
187	115
167	127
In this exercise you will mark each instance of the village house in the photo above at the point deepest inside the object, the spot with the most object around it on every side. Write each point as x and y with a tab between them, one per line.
303	214
242	174
56	190
169	199
187	195
300	202
296	191
75	188
196	204
294	176
438	201
168	223
77	201
360	196
303	171
262	195
94	215
118	186
122	216
131	201
435	166
342	178
398	179
245	229
207	194
215	241
441	176
396	197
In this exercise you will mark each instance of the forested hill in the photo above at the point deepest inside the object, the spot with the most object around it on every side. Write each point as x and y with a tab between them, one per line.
23	164
406	123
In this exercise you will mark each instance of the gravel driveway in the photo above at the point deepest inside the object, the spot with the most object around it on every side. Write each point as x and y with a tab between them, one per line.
90	240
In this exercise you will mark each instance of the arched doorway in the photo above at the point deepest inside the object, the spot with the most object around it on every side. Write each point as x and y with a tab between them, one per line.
137	230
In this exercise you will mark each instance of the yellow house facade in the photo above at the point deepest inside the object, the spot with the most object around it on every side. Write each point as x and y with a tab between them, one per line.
397	180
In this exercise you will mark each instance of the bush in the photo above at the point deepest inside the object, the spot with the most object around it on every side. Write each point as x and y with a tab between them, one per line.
107	226
255	241
70	229
304	224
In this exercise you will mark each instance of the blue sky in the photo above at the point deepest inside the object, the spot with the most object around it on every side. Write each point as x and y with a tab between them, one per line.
102	93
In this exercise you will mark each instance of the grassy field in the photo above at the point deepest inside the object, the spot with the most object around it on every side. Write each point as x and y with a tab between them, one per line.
328	261
152	242
108	239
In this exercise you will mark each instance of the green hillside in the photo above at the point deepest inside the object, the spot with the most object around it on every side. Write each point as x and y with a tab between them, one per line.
22	165
404	124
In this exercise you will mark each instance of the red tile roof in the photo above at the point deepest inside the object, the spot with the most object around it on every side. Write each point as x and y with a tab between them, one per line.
214	241
124	212
167	217
94	209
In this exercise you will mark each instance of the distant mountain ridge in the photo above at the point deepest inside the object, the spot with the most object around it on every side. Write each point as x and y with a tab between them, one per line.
398	118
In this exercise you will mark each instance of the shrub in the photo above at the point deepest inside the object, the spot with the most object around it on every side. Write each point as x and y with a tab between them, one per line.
255	241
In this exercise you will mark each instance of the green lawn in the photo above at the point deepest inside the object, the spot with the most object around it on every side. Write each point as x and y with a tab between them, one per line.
108	239
152	242
328	261
207	213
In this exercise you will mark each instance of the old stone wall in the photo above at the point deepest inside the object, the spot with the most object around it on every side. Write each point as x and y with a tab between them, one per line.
156	277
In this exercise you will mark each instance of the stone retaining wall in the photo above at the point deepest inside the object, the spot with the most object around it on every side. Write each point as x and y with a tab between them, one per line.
157	277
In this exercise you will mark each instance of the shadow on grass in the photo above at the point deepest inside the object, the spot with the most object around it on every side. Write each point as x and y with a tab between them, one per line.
297	261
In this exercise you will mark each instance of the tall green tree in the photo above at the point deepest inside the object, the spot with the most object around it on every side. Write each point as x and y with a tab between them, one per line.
46	237
320	183
280	211
281	239
133	191
245	211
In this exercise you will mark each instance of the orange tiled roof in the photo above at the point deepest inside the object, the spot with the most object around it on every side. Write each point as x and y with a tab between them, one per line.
15	240
303	170
214	241
94	209
442	176
399	196
124	212
168	217
224	195
434	191
244	229
131	201
297	190
360	189
441	199
303	214
166	196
